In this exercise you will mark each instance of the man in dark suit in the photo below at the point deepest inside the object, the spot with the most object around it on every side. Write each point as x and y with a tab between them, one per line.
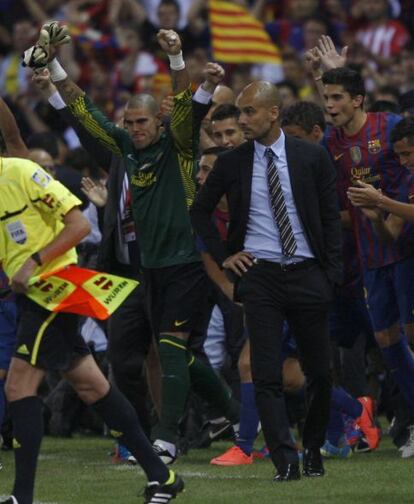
284	246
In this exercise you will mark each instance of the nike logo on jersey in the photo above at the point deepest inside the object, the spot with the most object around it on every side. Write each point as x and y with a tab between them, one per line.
131	158
338	156
179	323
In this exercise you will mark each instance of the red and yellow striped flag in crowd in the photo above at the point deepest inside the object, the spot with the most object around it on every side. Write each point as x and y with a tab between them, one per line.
237	37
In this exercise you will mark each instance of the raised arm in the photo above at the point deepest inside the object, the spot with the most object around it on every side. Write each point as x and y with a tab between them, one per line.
89	142
170	43
324	57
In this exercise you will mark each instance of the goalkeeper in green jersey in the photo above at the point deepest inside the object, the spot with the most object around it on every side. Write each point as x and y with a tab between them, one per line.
161	165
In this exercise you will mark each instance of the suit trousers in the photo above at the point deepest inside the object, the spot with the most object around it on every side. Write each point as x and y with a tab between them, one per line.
302	296
129	339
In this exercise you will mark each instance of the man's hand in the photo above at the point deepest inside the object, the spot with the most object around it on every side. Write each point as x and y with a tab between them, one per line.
96	193
167	106
313	62
239	263
213	74
38	55
20	282
58	34
329	56
364	195
169	41
374	214
41	78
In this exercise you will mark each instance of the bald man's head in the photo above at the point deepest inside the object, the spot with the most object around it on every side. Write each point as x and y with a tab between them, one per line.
142	120
223	95
259	104
263	93
143	100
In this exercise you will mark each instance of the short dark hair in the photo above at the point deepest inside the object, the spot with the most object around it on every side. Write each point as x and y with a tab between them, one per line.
403	129
174	3
385	106
391	90
351	80
304	114
226	111
216	150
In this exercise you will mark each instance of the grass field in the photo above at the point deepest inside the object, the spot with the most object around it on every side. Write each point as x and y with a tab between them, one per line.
79	471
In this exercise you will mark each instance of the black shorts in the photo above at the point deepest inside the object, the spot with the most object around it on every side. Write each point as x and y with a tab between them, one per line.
177	297
48	340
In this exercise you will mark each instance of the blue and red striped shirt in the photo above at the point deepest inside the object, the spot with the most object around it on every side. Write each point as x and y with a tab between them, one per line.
368	156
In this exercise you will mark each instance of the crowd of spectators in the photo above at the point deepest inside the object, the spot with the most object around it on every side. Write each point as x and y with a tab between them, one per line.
115	53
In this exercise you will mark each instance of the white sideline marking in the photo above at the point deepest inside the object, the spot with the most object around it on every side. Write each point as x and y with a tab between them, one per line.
191	474
36	502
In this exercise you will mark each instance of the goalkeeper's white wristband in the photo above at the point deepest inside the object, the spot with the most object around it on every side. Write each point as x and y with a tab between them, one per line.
57	72
57	101
176	61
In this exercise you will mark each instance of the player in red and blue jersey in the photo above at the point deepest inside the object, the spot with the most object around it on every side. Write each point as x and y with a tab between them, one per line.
349	317
361	149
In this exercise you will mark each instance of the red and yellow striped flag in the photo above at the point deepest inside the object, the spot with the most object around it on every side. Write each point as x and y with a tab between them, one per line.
237	37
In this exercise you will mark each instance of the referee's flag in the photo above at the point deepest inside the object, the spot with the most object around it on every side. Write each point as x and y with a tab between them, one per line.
237	37
82	291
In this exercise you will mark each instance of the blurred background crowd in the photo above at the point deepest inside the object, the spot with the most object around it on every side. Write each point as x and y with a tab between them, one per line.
115	52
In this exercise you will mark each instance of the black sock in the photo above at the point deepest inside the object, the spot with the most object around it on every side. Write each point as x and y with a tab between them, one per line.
122	420
26	415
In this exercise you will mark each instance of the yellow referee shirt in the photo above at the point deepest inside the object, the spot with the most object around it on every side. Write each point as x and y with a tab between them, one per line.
32	207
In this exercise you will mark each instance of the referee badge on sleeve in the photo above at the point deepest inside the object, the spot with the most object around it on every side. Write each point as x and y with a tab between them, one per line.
17	232
41	178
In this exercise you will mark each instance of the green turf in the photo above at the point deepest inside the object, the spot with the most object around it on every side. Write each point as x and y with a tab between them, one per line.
79	471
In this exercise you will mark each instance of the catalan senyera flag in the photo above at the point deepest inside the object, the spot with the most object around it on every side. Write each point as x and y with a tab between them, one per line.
81	291
237	37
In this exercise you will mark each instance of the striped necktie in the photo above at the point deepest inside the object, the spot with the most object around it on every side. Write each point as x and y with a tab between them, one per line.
278	203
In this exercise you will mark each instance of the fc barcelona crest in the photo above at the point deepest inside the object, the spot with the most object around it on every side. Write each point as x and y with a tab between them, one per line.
356	155
374	146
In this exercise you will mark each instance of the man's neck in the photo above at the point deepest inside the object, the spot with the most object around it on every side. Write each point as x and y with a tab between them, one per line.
271	137
355	124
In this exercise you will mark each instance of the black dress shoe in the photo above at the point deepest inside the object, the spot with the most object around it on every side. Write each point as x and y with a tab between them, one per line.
289	473
312	463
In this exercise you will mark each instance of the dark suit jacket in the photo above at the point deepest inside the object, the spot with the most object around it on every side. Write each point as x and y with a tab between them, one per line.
312	177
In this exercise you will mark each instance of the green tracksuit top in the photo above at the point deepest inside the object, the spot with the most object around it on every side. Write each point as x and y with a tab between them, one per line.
162	180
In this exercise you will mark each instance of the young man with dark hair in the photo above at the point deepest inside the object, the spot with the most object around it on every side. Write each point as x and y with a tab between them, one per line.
366	196
349	319
361	148
225	128
304	120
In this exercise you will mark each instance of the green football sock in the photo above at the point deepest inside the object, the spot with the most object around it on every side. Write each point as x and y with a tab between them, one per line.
175	386
207	385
